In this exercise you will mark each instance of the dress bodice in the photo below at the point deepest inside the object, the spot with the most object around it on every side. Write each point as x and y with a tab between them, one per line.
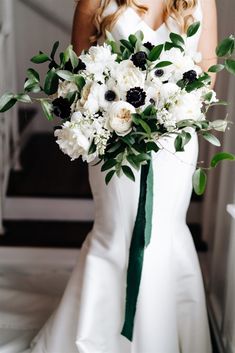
130	22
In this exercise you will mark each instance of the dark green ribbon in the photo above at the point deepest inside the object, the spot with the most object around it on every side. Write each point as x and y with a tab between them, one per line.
140	240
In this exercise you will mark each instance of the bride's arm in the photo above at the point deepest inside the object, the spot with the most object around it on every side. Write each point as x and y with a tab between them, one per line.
208	41
83	27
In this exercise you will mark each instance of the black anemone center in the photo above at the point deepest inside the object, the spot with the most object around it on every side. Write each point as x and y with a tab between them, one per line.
140	59
159	73
61	107
190	76
136	96
148	45
110	96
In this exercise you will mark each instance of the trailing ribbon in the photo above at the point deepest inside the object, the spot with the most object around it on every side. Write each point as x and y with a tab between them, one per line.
140	240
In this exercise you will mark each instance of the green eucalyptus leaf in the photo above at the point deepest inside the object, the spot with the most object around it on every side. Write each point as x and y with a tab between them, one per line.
179	144
54	49
127	45
132	39
194	85
7	101
152	146
51	82
145	126
66	75
23	98
225	47
170	45
230	66
80	82
192	30
110	163
163	64
139	35
109	176
219	125
33	75
40	58
47	109
176	39
211	138
218	157
128	172
216	68
155	52
31	85
199	181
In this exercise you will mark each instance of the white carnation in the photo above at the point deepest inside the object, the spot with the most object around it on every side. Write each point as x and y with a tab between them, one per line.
119	118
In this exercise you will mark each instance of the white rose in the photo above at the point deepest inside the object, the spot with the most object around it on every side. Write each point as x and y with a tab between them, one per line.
65	87
128	76
119	118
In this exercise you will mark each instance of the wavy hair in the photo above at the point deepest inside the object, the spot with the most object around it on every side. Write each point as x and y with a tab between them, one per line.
180	10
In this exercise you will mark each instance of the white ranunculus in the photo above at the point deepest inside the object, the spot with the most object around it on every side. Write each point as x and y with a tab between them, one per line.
188	106
66	87
119	118
98	60
128	76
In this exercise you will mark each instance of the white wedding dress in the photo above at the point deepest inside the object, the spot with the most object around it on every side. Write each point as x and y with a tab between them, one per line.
171	314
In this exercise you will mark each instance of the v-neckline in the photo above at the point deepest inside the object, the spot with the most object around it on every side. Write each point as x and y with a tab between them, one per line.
145	23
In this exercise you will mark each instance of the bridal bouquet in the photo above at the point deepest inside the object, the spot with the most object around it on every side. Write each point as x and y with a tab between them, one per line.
117	101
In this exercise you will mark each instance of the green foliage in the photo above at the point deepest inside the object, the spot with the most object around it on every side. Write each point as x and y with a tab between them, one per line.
40	58
51	82
218	157
199	181
47	109
192	30
7	101
226	47
155	52
230	66
211	138
216	68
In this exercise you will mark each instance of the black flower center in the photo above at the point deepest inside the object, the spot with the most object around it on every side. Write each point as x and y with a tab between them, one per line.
159	73
148	45
110	96
190	76
61	107
140	59
136	96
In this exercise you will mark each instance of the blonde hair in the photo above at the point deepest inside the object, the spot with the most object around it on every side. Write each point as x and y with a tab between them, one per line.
180	10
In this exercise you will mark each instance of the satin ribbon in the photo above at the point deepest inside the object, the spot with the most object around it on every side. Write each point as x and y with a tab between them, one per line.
140	240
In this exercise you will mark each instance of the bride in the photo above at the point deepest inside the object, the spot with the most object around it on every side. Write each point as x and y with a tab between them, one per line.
171	313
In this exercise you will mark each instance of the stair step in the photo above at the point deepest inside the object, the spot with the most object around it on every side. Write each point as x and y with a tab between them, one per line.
26	115
63	234
45	234
47	172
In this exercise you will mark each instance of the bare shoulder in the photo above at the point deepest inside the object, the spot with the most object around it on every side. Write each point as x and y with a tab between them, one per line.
88	7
